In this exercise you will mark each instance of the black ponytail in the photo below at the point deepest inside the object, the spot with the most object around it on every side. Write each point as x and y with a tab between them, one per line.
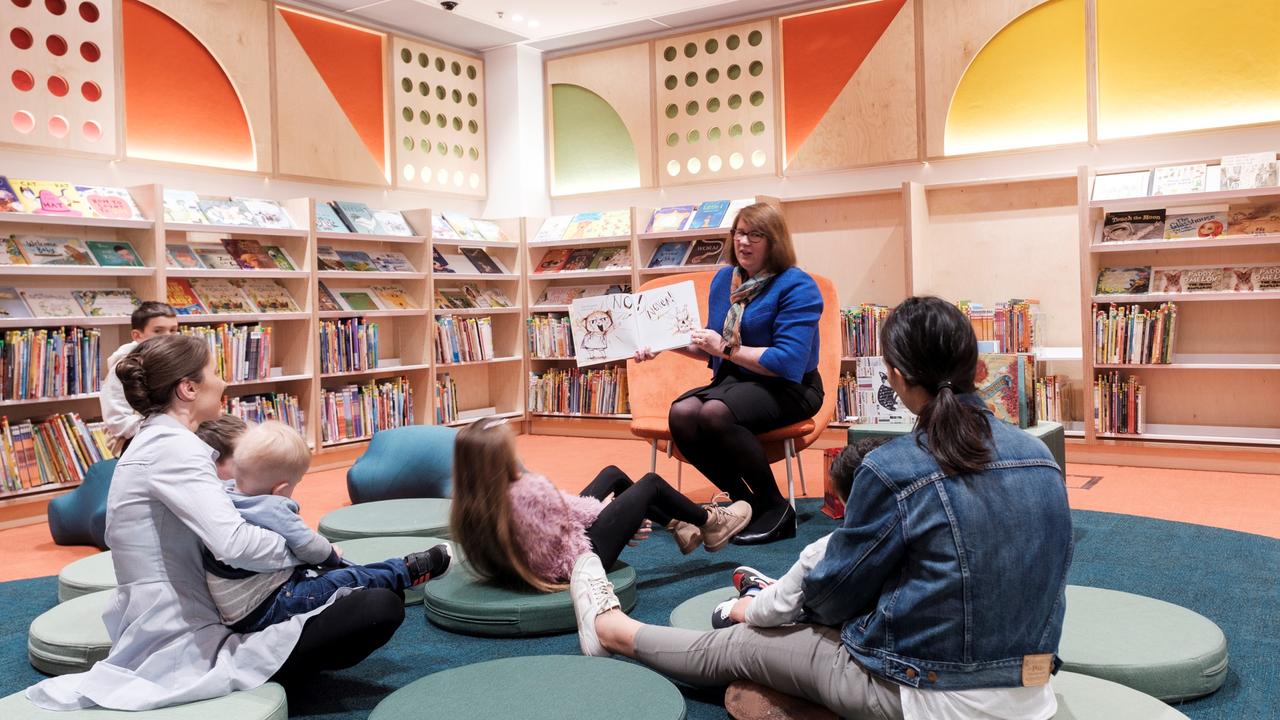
931	343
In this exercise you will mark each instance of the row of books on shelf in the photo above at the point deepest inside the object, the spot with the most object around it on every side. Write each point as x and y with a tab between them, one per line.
866	397
709	215
365	299
42	197
1009	327
1053	399
356	412
58	449
456	226
555	260
1234	172
1240	220
58	250
446	399
463	339
683	253
860	329
550	336
565	294
281	406
467	260
328	259
211	296
48	363
1131	335
470	297
577	391
17	303
1119	404
349	345
1191	279
231	254
242	352
585	226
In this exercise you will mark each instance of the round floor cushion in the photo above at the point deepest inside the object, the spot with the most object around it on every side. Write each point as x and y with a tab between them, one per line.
363	551
262	703
461	602
538	687
427	517
87	575
70	637
1161	649
1081	697
695	613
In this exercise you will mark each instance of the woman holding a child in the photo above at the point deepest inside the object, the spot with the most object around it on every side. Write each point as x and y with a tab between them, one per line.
166	503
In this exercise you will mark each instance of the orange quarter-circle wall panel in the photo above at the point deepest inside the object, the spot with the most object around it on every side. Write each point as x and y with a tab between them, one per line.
438	104
58	89
715	109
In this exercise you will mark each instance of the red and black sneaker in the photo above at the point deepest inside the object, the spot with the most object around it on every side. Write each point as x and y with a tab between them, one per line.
428	564
747	579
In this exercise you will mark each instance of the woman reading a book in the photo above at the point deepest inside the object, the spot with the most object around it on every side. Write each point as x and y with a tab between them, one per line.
169	645
761	343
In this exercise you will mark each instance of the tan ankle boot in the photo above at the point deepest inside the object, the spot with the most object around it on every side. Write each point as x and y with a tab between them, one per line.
723	522
748	701
688	537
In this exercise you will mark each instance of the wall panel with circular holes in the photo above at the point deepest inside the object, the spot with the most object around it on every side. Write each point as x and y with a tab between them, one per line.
439	118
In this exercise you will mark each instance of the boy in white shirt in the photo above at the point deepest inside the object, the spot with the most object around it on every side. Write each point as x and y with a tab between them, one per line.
149	320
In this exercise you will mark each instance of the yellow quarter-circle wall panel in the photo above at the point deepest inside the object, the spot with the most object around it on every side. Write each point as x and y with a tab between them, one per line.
1174	65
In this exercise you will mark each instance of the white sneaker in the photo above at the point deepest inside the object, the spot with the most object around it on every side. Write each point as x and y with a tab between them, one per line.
592	595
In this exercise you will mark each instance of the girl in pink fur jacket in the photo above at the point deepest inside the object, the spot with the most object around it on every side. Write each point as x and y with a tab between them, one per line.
515	528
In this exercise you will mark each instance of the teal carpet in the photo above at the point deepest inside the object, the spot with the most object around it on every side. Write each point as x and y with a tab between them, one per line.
1227	576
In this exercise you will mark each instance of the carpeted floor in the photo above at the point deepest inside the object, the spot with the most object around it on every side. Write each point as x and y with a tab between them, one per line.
1177	562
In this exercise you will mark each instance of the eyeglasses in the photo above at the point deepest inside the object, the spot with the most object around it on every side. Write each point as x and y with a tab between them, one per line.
755	237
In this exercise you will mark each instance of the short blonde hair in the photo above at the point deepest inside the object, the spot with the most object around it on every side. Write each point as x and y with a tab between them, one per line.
269	454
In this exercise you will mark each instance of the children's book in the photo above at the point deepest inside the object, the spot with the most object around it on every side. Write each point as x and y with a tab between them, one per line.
106	303
441	229
579	259
357	261
476	296
709	215
584	225
620	260
11	253
182	298
463	226
328	302
182	256
249	254
266	213
393	223
110	202
457	298
614	223
670	219
1266	278
604	256
114	253
215	257
358	299
40	250
670	254
1194	225
496	297
1241	278
281	257
490	230
706	251
327	219
1194	279
358	217
1245	172
1126	226
9	200
438	263
482	261
12	305
553	228
221	297
393	297
182	206
328	258
1121	185
1006	383
613	327
268	295
1123	281
560	294
877	398
1253	219
51	198
1178	179
51	303
393	262
731	213
460	263
225	211
552	260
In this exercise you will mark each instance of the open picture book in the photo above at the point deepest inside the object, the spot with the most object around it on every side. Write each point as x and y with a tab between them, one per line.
613	327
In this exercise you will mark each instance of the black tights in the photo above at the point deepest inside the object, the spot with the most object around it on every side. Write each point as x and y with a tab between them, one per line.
728	454
344	633
633	502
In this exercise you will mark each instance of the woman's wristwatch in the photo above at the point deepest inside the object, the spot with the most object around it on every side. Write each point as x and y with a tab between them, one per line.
726	349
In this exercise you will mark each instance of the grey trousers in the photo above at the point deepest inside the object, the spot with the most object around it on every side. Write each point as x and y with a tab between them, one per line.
806	661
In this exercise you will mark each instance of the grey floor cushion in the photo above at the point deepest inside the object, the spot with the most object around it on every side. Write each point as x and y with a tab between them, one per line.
419	516
70	637
1081	697
695	613
263	703
86	575
363	551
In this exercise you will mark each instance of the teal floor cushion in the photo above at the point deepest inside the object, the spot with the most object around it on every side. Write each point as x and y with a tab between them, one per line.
695	613
1081	697
538	687
420	516
263	703
460	602
80	516
376	549
86	575
415	461
1161	649
70	637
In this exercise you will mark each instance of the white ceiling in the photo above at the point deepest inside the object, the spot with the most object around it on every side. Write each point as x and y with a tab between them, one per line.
480	25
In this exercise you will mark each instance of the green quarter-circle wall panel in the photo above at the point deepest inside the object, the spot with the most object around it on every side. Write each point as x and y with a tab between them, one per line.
593	150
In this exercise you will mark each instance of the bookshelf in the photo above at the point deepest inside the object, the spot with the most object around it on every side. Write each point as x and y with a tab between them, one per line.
647	243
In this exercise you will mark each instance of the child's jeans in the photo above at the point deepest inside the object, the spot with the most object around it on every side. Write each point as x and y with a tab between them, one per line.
311	587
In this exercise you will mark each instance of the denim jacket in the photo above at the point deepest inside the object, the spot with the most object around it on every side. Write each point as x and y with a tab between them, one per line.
946	582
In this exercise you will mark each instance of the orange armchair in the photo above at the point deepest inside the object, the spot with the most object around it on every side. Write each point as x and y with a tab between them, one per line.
654	385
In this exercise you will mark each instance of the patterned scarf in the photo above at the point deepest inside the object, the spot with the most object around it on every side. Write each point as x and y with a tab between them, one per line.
741	292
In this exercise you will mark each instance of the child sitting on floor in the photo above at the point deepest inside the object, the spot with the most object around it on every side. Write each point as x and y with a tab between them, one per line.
765	602
267	462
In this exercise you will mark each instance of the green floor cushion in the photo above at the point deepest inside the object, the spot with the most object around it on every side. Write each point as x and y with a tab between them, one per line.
1052	434
428	517
1081	697
70	637
87	575
363	551
1161	649
460	602
263	703
695	613
415	461
538	687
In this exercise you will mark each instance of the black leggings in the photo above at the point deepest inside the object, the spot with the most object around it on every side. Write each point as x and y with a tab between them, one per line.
344	633
633	502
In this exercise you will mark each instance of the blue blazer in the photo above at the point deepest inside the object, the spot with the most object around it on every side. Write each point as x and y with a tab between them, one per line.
783	318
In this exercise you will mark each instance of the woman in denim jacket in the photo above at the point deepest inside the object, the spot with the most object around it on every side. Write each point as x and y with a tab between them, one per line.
942	594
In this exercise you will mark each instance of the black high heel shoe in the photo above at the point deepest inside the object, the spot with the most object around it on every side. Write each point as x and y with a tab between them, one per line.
784	529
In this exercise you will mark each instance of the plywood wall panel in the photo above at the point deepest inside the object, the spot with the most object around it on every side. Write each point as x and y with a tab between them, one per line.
439	125
857	241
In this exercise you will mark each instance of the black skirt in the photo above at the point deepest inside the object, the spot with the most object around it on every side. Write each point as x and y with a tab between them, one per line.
761	404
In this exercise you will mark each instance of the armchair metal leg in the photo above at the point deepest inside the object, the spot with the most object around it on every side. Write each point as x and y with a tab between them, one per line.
653	456
804	490
790	448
